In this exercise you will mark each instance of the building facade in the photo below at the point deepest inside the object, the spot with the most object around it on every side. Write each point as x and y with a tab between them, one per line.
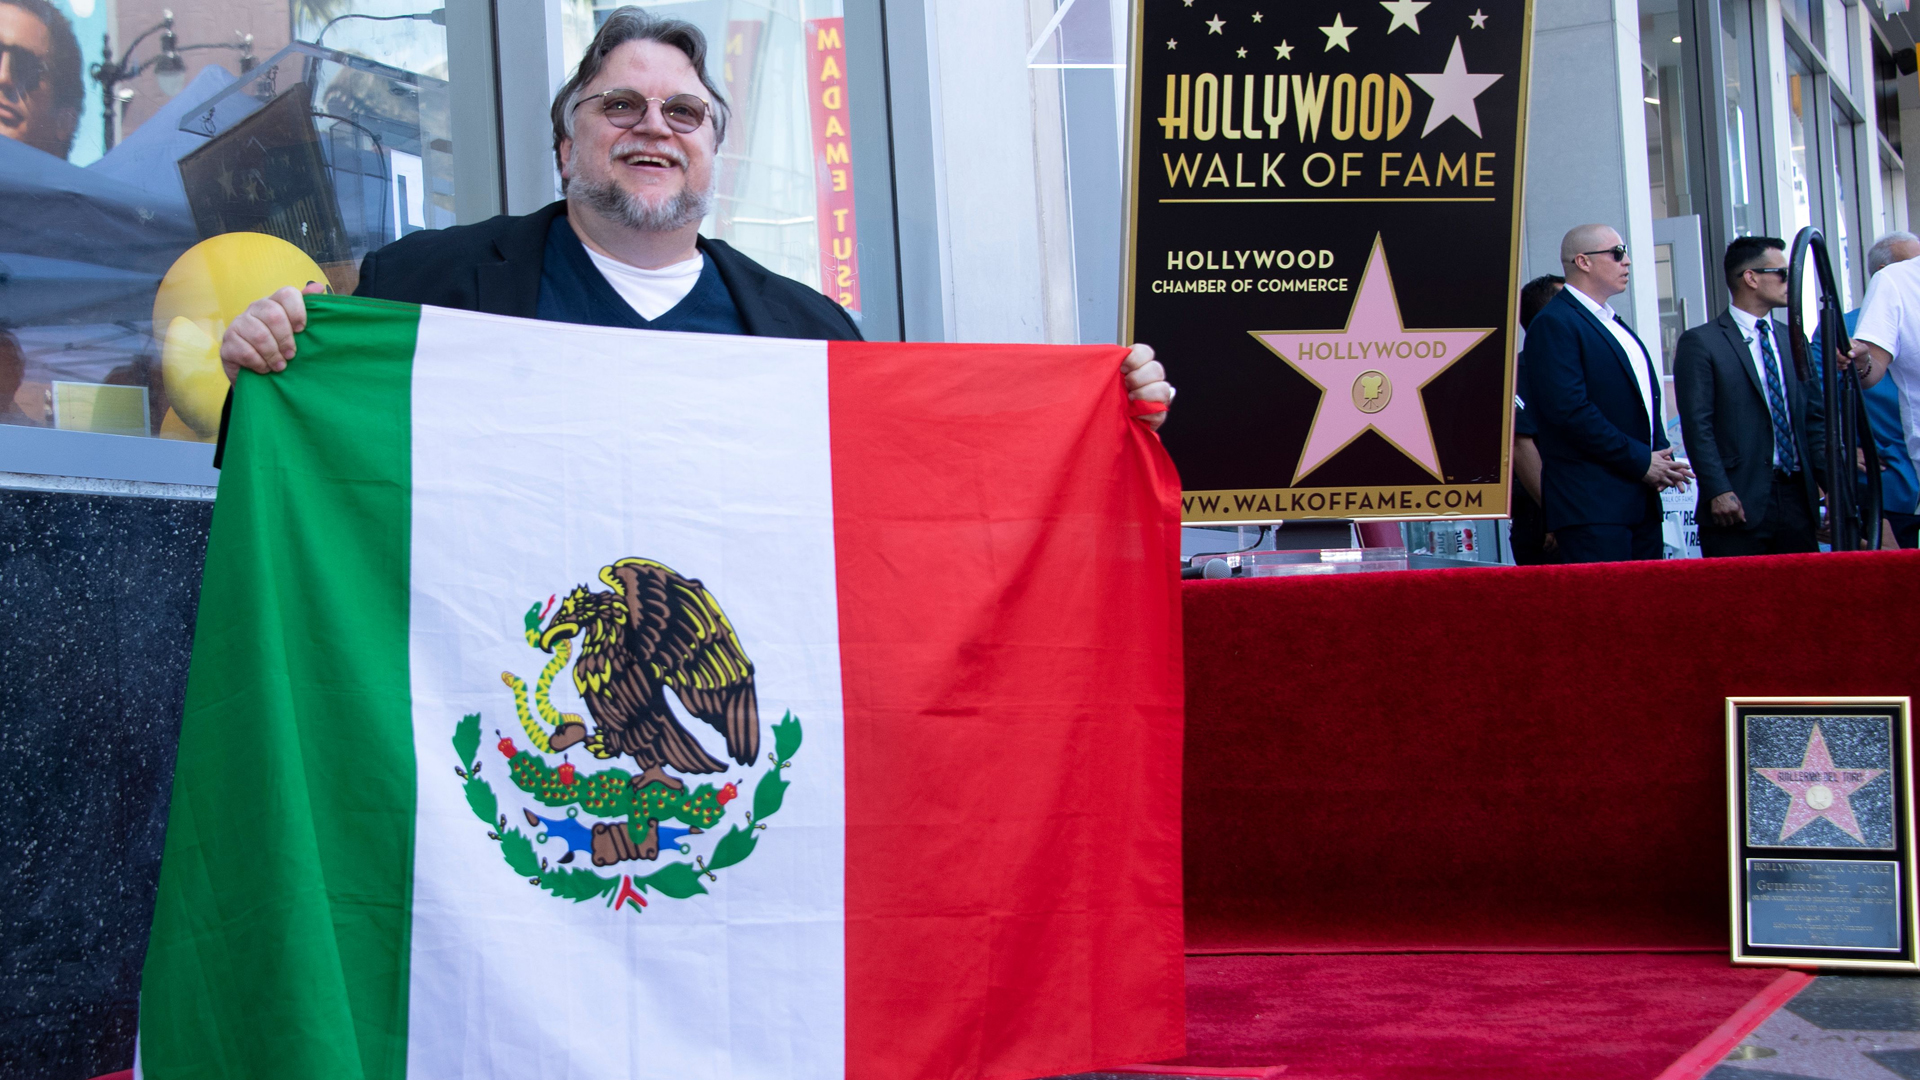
946	169
1687	123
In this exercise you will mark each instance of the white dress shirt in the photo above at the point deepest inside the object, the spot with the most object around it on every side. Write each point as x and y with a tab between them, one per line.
1747	324
1637	357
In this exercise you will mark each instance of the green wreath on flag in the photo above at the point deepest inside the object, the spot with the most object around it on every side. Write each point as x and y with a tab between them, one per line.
608	794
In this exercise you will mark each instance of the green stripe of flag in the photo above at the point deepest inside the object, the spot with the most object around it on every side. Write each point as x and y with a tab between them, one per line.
280	938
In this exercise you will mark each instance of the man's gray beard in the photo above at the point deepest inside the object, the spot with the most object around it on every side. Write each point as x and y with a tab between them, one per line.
686	208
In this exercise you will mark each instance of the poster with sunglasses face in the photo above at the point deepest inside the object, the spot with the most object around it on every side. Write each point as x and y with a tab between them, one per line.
1323	248
42	63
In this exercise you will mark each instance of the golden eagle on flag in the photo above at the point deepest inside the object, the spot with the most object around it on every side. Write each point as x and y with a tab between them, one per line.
656	629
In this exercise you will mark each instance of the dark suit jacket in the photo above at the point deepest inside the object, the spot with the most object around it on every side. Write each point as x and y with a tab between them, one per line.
1595	437
494	266
1723	411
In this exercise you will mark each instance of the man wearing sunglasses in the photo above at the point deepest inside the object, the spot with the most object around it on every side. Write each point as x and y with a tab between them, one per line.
635	134
40	88
1594	394
1753	428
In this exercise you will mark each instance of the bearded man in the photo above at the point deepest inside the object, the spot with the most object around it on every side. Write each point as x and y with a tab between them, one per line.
635	133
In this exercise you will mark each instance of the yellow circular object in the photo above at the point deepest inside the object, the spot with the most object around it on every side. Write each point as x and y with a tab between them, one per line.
208	287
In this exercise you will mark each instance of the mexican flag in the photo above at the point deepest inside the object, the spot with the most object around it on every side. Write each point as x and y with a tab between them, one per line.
581	703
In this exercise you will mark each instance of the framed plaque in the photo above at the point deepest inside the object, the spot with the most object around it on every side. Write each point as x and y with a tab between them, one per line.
1820	832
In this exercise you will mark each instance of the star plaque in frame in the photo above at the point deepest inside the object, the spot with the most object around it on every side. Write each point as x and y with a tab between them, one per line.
1821	832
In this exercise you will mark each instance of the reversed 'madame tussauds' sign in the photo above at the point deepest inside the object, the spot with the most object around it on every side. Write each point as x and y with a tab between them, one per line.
1324	248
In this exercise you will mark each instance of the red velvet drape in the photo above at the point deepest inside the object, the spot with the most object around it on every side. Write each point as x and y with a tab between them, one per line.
1500	758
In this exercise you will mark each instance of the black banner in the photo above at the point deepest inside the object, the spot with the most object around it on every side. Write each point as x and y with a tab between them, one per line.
1324	249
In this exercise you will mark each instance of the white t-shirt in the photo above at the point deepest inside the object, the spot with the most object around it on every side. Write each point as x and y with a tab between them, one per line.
652	293
1637	357
1890	318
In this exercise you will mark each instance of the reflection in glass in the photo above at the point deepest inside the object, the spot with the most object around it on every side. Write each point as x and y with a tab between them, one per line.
1802	199
1743	128
1886	95
1893	197
1841	240
1886	113
1662	50
334	153
1838	43
1799	10
354	150
1673	314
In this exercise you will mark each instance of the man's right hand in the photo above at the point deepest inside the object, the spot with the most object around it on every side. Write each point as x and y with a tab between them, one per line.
1726	511
1870	361
1663	472
261	339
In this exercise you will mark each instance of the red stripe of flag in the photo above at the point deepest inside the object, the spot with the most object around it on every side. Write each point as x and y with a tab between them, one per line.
1010	657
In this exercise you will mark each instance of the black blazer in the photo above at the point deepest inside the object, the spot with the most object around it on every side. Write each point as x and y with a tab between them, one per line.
494	267
1729	432
1595	437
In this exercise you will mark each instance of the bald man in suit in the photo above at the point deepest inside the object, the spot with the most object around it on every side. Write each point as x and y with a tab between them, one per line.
1594	393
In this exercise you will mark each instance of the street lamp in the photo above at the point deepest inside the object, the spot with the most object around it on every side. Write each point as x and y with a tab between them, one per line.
169	68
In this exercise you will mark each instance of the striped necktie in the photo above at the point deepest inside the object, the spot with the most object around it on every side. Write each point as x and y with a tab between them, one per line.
1783	451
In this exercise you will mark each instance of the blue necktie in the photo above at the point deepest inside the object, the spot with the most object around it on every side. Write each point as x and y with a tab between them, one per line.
1776	400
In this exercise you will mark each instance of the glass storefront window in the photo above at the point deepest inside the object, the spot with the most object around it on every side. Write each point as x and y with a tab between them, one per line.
1840	242
1886	116
316	129
1672	314
1801	12
1662	51
1893	197
1801	155
329	125
1744	172
786	194
1886	95
1838	42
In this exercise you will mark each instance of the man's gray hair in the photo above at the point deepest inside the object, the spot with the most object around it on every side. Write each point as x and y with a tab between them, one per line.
1880	255
635	24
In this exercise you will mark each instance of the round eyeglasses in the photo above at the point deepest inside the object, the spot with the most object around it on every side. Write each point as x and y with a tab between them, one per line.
627	108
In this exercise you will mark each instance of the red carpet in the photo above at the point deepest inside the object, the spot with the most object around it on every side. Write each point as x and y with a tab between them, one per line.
1518	759
1481	1016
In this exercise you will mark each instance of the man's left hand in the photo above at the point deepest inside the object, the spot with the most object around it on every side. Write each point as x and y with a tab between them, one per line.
1146	380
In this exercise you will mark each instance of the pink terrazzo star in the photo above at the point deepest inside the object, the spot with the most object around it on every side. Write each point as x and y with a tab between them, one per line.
1371	372
1820	789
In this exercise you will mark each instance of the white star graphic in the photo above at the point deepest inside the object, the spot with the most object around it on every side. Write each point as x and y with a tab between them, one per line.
1214	24
1171	43
1478	19
1241	53
1453	91
1337	34
1256	16
1189	3
1405	13
1283	51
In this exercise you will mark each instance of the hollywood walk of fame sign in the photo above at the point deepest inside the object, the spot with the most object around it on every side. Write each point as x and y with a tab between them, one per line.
1820	816
1323	247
